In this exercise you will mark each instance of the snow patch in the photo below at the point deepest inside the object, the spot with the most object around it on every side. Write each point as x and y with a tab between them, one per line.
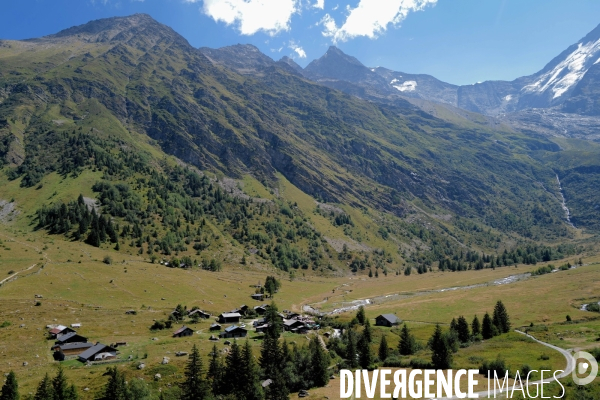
408	86
568	72
597	61
508	97
372	69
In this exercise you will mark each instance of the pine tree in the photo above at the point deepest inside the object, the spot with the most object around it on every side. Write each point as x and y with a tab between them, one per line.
274	320
250	387
278	389
351	349
10	389
453	325
319	363
501	319
365	356
270	356
487	327
61	388
115	389
215	372
441	356
406	347
384	350
462	328
45	391
368	332
361	316
194	386
476	326
232	370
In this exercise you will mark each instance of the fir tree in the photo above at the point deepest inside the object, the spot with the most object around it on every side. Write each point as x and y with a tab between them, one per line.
351	349
233	364
501	320
462	328
453	325
368	332
10	389
270	356
365	356
272	318
116	388
476	326
215	372
384	350
487	327
194	386
406	347
319	363
361	316
278	389
62	390
44	391
441	356
250	387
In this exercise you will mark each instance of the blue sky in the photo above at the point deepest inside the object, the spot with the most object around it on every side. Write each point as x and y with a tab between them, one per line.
458	41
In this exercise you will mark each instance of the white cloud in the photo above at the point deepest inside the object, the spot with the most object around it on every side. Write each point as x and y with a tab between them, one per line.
298	49
371	18
251	16
319	4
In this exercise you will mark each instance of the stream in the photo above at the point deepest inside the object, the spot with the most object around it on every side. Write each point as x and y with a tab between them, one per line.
564	203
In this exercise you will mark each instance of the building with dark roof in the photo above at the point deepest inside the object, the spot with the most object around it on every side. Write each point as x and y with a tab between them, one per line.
98	352
230	317
71	337
72	349
388	320
183	332
233	331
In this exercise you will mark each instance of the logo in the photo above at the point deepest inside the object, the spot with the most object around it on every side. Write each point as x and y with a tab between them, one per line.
590	364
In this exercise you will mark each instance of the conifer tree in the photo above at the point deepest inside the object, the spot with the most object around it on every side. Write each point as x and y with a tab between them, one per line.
501	320
441	356
194	386
61	388
453	325
319	363
233	364
115	389
215	372
476	326
462	328
278	389
487	327
44	391
274	320
270	356
368	332
361	316
351	349
406	347
365	355
250	387
384	350
10	389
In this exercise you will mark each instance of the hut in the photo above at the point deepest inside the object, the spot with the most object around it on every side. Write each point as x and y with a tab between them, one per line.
388	320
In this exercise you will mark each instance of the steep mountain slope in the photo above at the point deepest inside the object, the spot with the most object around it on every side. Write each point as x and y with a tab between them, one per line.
332	146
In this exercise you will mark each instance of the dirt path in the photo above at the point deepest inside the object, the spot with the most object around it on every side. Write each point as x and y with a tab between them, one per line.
568	369
16	273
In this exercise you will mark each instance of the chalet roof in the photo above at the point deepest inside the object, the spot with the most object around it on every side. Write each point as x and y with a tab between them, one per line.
183	328
233	328
263	306
198	311
390	318
58	329
73	346
292	322
70	335
231	315
95	349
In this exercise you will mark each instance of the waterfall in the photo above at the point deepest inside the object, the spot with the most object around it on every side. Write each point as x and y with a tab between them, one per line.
564	203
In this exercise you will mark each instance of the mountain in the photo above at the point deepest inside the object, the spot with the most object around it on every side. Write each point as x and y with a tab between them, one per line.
568	82
245	59
121	95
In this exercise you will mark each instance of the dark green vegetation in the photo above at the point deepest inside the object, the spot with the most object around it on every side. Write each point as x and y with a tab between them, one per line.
132	75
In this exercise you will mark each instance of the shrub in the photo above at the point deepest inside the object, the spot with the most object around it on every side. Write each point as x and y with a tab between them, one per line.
107	260
498	365
5	324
